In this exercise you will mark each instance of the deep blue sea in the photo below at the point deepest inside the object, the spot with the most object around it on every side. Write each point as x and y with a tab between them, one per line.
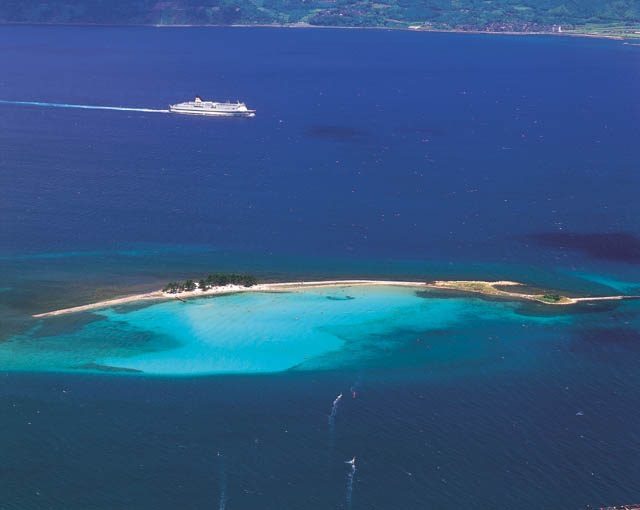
374	154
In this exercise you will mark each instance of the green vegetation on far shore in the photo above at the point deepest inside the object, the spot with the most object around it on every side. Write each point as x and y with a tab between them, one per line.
597	17
213	280
492	289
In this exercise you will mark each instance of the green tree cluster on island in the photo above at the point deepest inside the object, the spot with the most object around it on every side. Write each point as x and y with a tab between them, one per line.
482	15
213	280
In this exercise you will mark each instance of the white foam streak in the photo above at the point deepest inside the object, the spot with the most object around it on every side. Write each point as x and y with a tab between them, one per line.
350	476
84	106
334	412
223	483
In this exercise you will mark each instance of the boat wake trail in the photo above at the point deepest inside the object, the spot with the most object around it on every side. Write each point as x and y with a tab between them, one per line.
355	387
223	483
350	476
334	412
84	106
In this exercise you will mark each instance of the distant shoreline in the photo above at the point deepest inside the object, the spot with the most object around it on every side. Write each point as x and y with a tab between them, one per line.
616	37
485	288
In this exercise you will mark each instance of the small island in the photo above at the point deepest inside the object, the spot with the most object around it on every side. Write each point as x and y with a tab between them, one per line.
221	283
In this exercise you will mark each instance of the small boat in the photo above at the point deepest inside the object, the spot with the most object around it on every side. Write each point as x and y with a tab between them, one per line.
212	108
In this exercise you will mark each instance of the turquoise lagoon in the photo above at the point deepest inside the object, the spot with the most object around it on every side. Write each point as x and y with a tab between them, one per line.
258	332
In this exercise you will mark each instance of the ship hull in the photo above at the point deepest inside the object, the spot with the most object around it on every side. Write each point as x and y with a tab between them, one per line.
213	113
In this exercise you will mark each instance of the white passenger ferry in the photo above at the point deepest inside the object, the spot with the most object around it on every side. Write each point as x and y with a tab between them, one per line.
214	108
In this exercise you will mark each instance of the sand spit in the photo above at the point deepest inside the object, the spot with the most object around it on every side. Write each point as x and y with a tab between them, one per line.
227	289
490	289
471	286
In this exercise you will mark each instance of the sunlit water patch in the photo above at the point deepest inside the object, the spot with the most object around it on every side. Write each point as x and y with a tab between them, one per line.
272	332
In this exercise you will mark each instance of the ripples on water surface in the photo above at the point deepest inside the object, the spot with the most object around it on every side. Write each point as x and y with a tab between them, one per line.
373	154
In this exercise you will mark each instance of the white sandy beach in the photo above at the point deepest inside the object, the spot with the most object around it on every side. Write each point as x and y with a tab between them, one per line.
470	286
227	289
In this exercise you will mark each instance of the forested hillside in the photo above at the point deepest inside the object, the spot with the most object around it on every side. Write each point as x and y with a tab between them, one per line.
485	15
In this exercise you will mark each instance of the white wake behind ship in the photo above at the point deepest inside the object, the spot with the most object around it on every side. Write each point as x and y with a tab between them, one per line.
213	108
